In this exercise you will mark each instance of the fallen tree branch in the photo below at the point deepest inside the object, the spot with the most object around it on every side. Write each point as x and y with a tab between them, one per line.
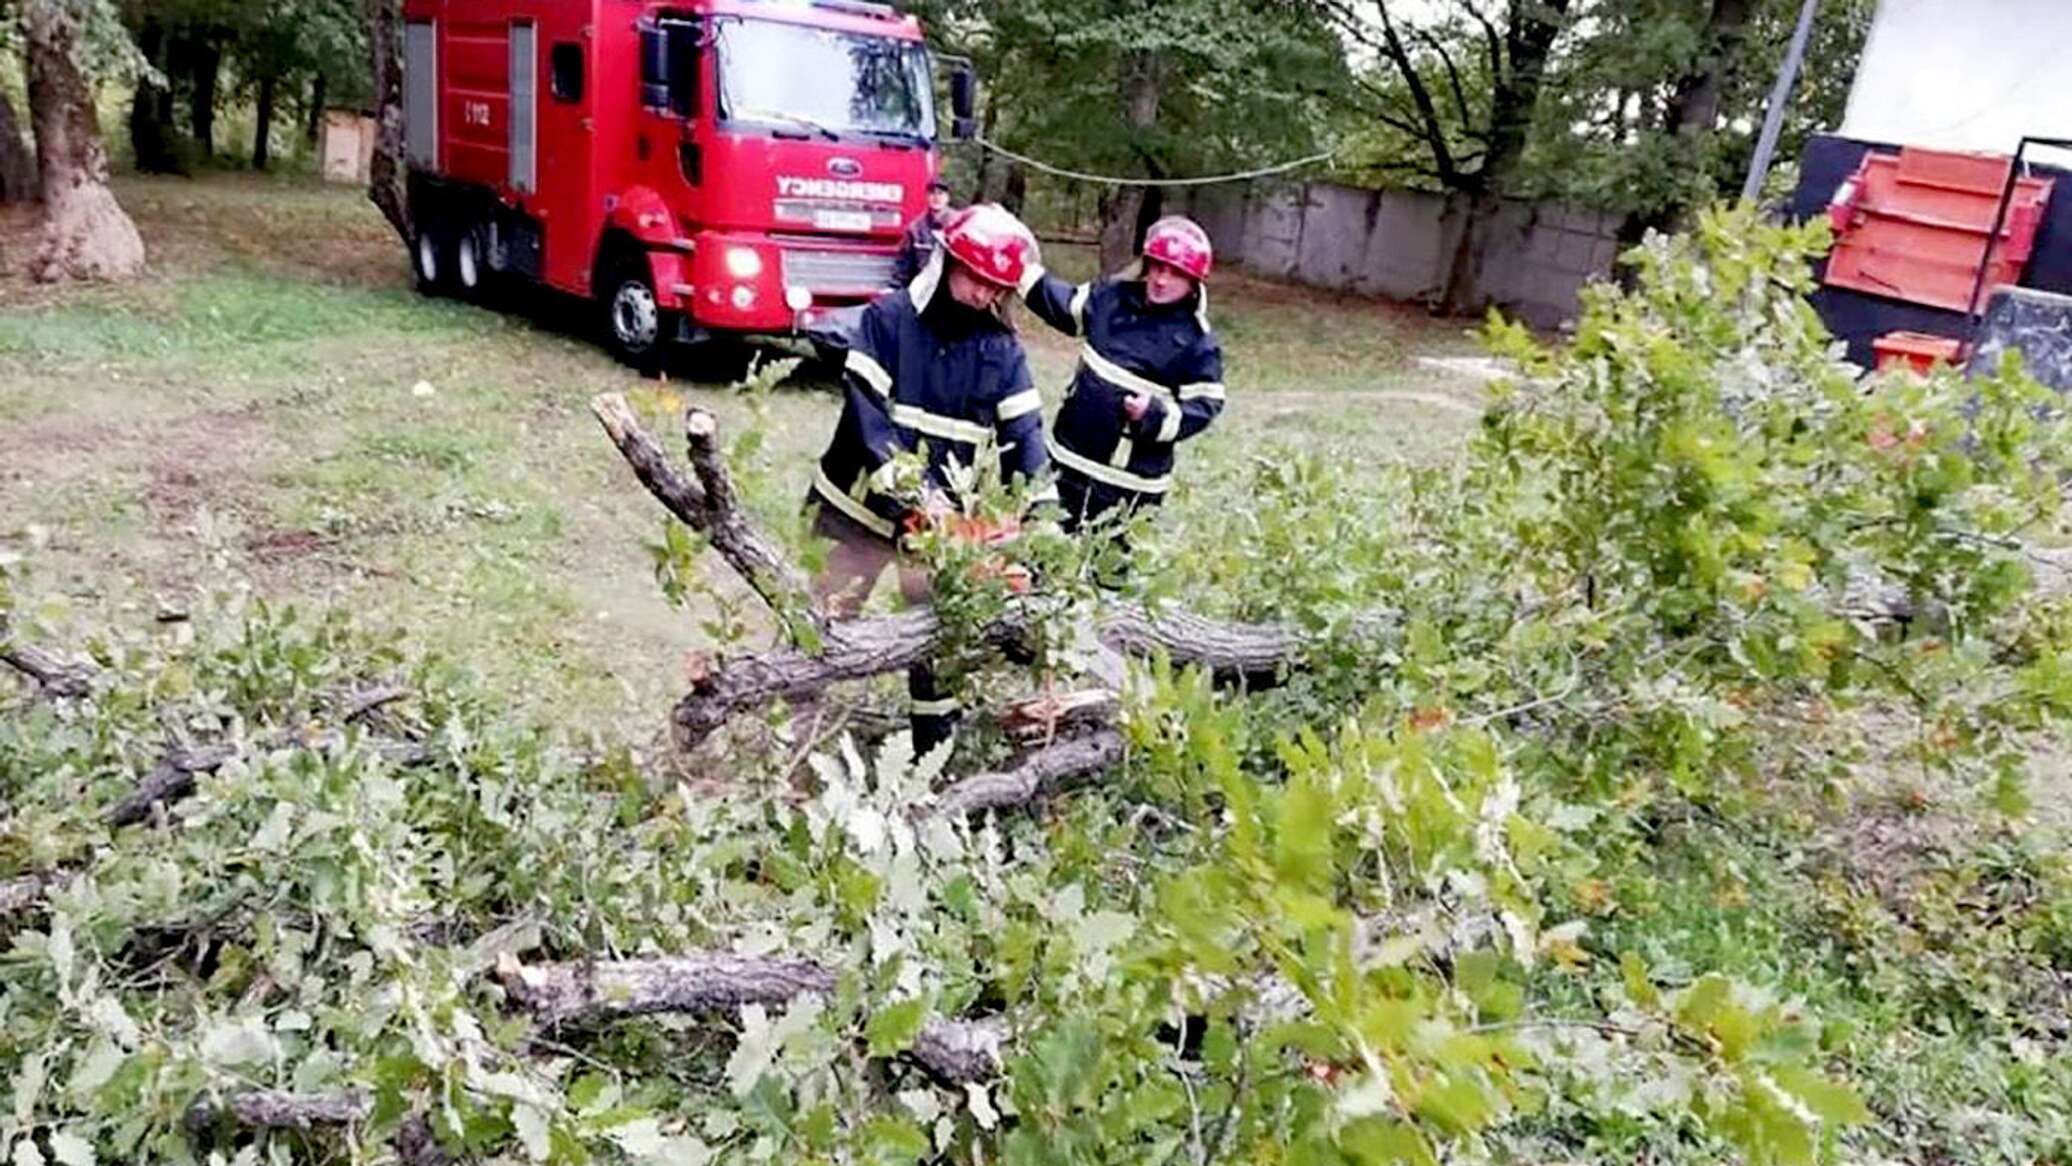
173	778
590	991
1034	776
358	704
276	1109
54	674
709	505
873	645
25	891
1258	655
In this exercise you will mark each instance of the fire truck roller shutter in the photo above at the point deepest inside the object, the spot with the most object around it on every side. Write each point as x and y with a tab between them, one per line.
525	61
431	248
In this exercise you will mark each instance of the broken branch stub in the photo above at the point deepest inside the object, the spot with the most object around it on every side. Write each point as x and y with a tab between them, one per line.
710	504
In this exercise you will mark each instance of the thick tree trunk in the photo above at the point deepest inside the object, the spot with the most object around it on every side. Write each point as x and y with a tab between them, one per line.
1692	113
316	111
86	235
1462	293
1528	43
386	173
1016	195
201	102
150	127
1695	107
1121	209
262	133
17	164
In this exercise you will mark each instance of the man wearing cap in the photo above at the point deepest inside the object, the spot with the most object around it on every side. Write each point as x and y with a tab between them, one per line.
919	241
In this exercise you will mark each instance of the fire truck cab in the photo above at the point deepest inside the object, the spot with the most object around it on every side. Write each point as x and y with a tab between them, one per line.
696	168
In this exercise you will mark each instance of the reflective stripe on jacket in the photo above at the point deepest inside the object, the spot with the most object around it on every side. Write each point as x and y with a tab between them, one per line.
925	372
1167	352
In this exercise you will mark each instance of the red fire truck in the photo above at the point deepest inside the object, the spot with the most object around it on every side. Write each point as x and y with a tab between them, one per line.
696	168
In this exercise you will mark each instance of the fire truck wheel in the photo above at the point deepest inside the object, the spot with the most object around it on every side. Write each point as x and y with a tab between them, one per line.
431	260
470	265
635	325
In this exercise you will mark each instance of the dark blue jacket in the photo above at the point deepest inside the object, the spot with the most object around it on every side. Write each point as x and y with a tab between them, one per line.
1166	351
924	371
916	247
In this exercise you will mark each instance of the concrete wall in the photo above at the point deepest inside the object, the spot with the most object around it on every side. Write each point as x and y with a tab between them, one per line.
1399	243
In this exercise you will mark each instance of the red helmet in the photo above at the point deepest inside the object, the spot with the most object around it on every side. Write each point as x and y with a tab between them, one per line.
1180	242
991	242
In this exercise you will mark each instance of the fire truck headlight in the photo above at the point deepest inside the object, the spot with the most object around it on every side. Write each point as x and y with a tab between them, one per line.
744	262
798	299
744	296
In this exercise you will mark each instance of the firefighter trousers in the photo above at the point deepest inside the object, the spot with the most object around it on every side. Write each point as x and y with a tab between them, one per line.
854	563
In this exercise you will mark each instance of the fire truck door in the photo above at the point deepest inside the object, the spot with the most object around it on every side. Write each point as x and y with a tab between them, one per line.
566	105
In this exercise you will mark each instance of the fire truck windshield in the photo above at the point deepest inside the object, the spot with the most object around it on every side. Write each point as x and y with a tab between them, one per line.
819	81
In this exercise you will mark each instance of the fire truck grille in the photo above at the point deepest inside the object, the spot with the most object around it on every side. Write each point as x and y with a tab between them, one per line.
836	272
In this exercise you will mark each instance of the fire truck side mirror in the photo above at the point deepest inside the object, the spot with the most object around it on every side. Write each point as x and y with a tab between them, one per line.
963	99
654	67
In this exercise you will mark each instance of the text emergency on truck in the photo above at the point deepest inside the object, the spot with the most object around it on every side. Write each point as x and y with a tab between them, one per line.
696	169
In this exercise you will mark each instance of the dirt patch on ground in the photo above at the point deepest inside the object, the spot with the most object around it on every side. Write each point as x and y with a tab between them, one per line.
198	461
275	546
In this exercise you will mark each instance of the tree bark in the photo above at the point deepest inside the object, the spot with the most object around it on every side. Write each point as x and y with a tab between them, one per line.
17	164
385	184
590	991
316	111
207	63
1527	44
86	235
1122	208
262	133
1033	778
150	128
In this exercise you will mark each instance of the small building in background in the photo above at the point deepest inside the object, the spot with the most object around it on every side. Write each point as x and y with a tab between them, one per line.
348	145
1944	93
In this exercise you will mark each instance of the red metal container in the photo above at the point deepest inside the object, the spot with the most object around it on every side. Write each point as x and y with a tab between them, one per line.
1913	226
1919	351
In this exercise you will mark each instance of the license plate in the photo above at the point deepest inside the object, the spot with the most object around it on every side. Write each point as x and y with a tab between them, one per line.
842	220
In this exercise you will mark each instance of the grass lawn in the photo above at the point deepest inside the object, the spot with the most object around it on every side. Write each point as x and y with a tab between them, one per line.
275	411
274	408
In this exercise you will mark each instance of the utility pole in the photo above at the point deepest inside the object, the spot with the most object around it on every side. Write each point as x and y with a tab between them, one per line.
1780	95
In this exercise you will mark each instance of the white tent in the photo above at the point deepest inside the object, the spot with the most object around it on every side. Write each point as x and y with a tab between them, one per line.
1964	74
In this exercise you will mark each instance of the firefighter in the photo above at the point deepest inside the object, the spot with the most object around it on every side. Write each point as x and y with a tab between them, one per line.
1150	372
919	241
933	366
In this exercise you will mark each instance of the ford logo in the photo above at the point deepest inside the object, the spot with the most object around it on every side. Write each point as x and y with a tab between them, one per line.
844	167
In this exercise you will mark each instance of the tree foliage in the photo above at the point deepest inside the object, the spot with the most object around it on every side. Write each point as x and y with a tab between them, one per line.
1348	921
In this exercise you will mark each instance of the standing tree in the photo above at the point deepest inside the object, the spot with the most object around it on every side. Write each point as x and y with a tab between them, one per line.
386	171
1653	113
1142	88
1455	96
152	137
86	235
17	165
